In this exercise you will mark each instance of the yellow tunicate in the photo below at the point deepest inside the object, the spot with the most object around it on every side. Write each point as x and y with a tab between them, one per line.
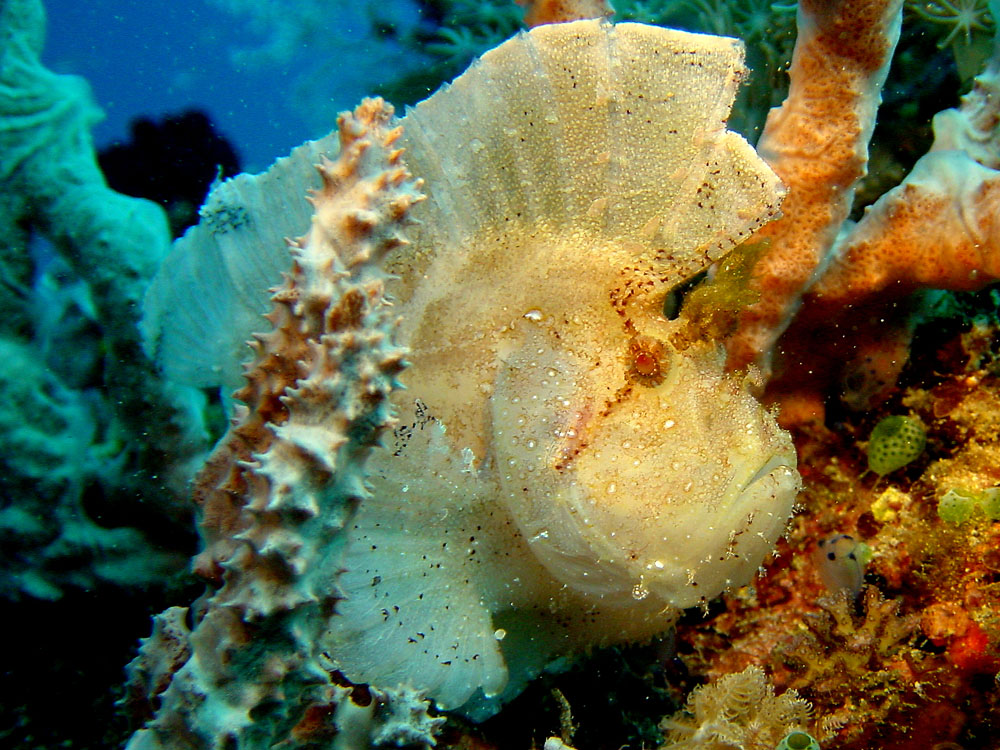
887	505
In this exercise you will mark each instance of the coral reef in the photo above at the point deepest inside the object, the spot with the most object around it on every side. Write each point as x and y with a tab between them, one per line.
913	662
570	464
836	643
865	671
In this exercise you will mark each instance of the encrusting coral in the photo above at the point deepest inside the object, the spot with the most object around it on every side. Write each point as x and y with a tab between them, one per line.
911	663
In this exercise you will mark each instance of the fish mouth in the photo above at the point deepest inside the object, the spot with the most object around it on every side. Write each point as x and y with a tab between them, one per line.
766	469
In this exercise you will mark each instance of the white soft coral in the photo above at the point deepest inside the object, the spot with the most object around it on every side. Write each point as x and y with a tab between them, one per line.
737	711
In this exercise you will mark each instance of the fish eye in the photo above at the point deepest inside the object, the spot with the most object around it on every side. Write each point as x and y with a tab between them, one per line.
647	360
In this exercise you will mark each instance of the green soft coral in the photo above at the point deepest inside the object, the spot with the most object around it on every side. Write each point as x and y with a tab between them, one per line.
966	26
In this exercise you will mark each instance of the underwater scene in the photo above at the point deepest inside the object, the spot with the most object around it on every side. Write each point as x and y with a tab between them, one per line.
494	375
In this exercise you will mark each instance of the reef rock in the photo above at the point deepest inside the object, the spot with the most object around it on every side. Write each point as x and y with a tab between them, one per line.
569	467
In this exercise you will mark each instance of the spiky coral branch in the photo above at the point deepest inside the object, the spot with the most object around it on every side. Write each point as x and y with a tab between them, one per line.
301	399
290	473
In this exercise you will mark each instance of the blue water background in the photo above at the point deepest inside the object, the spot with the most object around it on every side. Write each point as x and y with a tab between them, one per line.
152	58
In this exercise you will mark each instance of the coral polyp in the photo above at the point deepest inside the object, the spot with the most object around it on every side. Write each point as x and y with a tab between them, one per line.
959	18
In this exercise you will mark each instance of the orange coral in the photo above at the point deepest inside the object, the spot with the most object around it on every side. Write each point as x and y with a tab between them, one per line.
817	143
559	11
938	229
